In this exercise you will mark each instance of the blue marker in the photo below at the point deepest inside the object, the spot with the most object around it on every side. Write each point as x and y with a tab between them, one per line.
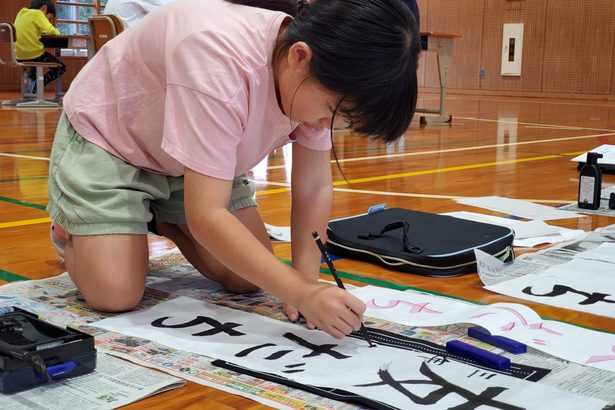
478	355
502	342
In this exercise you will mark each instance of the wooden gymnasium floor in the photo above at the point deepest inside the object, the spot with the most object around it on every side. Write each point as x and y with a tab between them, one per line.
511	147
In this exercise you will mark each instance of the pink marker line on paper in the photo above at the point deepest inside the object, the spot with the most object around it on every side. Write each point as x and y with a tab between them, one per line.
541	326
511	325
416	307
596	359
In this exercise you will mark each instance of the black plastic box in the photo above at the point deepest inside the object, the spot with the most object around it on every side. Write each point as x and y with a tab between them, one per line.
30	347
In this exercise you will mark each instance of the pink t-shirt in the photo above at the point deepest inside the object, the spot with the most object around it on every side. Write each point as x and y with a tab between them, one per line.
190	86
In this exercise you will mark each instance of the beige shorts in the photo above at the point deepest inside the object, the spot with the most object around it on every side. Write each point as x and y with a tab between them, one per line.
92	192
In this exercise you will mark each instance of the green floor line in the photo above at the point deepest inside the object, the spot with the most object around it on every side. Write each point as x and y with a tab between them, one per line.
24	179
11	277
391	285
27	151
24	203
384	283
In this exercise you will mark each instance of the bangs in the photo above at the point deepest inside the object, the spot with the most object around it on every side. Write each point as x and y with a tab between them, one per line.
366	51
384	112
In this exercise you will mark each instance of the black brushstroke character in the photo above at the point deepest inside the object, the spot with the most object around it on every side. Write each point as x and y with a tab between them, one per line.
558	290
316	350
474	401
436	359
216	326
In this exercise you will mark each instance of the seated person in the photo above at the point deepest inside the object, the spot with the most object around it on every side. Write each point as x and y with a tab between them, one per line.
132	11
30	23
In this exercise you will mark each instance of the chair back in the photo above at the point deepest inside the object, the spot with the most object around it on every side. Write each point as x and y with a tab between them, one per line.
102	29
7	37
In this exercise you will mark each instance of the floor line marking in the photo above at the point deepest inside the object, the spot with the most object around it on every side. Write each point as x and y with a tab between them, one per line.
24	179
530	102
24	222
441	170
417	173
6	154
414	195
566	127
453	197
11	277
410	154
23	203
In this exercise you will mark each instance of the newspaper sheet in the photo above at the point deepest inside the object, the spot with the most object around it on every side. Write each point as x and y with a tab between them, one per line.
604	204
57	300
114	383
537	262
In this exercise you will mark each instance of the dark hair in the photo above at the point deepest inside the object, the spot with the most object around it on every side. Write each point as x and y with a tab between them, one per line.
363	50
37	4
287	6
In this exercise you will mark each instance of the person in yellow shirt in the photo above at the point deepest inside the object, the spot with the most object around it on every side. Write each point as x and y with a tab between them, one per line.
32	22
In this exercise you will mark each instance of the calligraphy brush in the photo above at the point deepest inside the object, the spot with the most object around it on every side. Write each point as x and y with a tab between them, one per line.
338	280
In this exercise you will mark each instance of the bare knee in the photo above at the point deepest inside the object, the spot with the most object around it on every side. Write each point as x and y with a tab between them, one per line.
114	300
237	284
109	297
109	270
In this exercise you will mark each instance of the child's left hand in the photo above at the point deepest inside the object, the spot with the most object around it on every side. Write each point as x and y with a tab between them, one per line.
294	315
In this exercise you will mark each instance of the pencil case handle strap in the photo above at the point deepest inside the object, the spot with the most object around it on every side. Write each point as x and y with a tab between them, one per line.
408	247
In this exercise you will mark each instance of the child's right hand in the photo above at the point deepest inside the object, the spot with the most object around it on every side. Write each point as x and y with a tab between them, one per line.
332	309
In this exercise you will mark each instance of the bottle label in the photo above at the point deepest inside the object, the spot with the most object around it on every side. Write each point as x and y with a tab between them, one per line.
586	190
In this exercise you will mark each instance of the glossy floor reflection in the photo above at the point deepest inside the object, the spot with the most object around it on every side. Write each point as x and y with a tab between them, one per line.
511	147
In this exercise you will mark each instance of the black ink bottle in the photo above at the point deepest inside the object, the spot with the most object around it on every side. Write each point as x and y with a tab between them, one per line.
590	182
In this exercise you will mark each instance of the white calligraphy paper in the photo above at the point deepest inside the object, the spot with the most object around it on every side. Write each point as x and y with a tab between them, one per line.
579	284
607	151
604	252
397	377
512	320
527	233
518	207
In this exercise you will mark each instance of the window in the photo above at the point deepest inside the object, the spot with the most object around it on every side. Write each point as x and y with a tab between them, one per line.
73	15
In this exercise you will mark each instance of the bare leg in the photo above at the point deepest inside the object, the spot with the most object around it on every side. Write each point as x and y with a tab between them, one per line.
205	263
109	270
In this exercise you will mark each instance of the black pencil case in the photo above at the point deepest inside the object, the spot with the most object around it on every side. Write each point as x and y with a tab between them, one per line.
418	242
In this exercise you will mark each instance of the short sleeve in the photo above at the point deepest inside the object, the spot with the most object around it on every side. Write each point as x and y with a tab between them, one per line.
312	138
201	132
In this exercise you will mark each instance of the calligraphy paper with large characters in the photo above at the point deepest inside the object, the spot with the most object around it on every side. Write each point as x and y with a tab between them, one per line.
579	284
512	320
400	378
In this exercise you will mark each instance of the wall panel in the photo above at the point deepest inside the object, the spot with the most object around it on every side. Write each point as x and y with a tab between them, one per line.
569	45
498	13
613	68
579	39
423	10
464	17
